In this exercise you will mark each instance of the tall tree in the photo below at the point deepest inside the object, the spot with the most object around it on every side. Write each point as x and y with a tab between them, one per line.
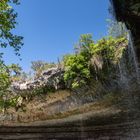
7	24
15	68
7	39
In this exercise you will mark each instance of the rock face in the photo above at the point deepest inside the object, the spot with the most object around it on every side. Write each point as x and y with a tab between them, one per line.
52	77
128	11
97	62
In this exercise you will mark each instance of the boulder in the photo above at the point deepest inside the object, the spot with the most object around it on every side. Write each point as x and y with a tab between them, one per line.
51	78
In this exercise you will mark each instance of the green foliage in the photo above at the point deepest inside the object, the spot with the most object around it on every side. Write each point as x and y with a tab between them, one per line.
83	46
93	60
7	38
15	68
11	102
107	48
111	51
4	78
39	66
76	69
42	90
7	24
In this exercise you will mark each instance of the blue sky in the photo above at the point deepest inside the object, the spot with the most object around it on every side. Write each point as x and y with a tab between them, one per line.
51	27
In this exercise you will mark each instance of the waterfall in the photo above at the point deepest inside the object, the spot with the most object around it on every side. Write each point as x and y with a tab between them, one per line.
128	65
132	57
124	79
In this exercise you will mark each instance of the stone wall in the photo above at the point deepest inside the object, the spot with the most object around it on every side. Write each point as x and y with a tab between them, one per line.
128	11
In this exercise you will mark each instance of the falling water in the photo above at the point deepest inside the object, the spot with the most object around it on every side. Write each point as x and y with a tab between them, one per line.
128	66
132	56
129	78
123	82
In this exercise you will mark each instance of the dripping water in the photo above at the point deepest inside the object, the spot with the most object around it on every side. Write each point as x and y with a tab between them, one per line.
132	57
129	77
123	82
128	65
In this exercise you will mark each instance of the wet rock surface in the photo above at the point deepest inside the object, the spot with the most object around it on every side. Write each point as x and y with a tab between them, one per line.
129	13
122	131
